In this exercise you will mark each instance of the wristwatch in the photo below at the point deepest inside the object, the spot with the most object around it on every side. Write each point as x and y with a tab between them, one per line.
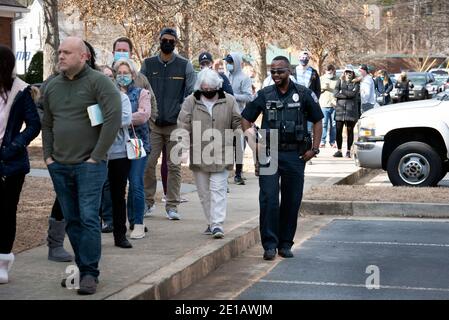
316	150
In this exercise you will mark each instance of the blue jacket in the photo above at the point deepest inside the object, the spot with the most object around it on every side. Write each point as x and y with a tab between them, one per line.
226	84
13	152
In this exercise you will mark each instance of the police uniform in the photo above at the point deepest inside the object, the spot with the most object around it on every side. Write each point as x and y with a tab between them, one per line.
288	113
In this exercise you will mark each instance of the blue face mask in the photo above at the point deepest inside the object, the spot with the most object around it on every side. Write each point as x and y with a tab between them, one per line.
230	67
120	55
124	80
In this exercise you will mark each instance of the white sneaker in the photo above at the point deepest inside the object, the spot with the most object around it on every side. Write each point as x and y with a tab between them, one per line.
138	232
6	261
173	215
149	210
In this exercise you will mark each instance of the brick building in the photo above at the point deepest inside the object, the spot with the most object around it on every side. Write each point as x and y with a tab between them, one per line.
9	11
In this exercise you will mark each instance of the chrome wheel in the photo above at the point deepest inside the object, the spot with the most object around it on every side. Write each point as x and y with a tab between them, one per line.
414	168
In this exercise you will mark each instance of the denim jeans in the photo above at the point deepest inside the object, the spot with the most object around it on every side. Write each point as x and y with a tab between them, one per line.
78	188
329	121
136	192
278	221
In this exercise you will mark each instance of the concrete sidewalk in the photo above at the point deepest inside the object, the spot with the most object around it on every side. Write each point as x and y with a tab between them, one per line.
174	254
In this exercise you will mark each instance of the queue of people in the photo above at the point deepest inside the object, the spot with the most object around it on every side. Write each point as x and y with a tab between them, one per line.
158	107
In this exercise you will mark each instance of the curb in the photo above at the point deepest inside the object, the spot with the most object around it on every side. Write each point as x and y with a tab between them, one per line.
168	281
354	177
375	209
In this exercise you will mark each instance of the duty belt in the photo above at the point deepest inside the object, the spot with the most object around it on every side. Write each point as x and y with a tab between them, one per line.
289	146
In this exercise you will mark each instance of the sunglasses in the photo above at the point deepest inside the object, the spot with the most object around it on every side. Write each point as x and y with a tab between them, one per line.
171	41
279	71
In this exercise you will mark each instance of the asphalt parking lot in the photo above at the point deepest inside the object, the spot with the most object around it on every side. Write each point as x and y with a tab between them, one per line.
396	259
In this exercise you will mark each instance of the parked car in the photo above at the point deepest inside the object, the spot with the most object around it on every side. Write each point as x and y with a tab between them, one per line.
424	85
409	140
441	82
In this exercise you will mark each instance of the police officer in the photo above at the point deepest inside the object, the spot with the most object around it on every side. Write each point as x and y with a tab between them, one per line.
286	107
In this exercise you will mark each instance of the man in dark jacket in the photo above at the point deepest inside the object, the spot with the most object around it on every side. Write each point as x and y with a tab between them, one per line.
308	76
206	61
172	78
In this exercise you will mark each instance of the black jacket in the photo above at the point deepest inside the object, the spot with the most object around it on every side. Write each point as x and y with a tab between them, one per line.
13	152
347	106
171	81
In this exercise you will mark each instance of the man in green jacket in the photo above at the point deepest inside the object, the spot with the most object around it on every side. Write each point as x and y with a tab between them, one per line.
76	152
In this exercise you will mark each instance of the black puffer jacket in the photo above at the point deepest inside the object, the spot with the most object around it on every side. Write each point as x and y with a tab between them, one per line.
347	107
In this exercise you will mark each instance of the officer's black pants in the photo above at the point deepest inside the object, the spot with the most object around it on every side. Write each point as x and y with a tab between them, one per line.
278	221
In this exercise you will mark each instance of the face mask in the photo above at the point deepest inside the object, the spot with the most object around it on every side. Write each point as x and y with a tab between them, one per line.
209	94
230	67
167	47
124	80
329	75
120	55
304	62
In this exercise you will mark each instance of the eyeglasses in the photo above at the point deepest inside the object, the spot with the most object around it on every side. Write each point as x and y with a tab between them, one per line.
278	71
171	41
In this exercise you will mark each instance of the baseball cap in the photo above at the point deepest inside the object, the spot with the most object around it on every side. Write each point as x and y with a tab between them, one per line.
169	31
364	67
349	67
229	59
205	56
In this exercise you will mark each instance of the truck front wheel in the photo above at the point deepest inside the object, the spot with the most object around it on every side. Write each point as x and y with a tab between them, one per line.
414	164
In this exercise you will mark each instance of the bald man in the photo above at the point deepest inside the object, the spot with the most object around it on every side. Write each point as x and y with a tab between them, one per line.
75	151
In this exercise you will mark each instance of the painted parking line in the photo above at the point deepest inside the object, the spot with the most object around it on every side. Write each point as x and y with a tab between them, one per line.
386	243
334	284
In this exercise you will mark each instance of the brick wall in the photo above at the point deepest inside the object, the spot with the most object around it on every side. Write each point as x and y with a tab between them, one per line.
6	32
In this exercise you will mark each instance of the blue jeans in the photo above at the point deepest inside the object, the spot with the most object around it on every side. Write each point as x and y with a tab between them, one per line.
78	188
329	120
278	221
136	193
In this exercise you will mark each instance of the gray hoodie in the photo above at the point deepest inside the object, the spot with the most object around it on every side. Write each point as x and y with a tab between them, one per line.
241	83
118	148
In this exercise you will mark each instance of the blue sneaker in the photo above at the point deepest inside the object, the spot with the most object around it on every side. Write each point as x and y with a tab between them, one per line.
173	215
218	233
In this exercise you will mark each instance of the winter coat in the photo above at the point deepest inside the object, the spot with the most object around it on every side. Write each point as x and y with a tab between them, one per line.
13	153
404	88
225	115
382	88
314	83
171	82
346	94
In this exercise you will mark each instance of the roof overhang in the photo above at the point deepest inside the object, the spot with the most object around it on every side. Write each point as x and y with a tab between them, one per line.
13	9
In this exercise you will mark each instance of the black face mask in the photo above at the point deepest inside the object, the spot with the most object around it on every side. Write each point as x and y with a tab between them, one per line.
167	47
209	94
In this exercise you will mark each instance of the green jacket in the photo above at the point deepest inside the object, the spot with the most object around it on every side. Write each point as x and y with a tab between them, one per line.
67	134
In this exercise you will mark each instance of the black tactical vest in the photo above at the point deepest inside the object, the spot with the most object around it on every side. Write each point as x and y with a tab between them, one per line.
288	116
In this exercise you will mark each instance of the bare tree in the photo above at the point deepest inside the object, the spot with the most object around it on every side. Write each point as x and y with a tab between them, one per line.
51	34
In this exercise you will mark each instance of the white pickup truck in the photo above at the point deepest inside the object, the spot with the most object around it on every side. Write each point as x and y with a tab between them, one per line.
409	140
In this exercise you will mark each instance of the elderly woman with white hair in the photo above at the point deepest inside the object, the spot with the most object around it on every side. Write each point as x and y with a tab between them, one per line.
216	115
140	100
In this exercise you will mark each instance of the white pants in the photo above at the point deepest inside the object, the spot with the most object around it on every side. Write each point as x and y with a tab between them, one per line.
212	191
